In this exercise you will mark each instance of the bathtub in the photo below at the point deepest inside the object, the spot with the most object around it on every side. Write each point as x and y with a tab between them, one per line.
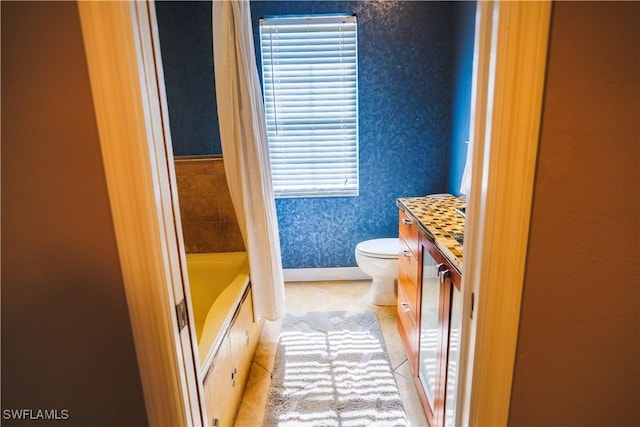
218	282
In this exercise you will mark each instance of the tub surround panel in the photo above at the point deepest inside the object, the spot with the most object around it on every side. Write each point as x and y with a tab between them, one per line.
436	217
227	331
404	89
226	328
225	383
209	222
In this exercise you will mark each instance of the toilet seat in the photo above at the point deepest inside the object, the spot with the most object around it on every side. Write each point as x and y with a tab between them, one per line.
379	248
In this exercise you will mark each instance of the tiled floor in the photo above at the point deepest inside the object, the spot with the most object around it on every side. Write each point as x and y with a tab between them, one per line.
313	296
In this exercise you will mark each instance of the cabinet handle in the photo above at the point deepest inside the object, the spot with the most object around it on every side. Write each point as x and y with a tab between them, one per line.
405	306
407	221
406	254
444	275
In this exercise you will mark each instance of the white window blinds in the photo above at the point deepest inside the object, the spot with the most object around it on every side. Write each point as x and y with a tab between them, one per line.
310	83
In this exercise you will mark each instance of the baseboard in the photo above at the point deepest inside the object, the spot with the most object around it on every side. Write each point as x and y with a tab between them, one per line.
322	274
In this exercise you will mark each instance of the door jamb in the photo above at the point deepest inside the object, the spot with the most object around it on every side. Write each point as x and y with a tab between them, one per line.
507	95
506	104
139	176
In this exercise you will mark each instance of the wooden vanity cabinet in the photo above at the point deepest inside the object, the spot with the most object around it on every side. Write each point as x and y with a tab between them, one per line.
409	289
438	280
426	283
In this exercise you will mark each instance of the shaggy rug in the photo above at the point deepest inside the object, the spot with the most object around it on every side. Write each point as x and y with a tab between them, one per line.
332	369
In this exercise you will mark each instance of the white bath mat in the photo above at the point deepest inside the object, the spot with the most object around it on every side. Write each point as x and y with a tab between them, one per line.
332	369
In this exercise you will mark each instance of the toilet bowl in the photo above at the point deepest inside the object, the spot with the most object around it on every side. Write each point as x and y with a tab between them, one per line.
379	259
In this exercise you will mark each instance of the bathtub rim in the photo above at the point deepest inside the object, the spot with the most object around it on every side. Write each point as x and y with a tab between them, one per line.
216	325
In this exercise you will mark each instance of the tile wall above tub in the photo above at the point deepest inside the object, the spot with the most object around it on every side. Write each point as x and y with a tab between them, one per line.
209	223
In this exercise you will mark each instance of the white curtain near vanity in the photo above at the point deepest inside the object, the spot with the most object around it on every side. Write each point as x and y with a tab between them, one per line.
245	152
465	183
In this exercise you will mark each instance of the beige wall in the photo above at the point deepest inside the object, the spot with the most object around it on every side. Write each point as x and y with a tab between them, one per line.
66	336
578	357
209	223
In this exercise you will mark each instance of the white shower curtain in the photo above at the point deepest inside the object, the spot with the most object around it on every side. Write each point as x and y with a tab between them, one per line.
465	183
245	152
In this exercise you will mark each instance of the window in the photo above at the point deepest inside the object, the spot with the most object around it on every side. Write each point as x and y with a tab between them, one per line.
310	83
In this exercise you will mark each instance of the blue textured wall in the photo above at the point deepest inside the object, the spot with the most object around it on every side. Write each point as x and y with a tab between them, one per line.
465	18
404	103
186	43
405	65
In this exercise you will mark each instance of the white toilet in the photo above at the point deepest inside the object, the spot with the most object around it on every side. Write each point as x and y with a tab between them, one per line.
379	259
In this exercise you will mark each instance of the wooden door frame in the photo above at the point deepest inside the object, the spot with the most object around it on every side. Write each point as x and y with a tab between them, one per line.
128	95
509	69
510	59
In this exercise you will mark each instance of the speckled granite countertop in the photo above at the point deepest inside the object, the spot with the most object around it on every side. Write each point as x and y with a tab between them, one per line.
438	220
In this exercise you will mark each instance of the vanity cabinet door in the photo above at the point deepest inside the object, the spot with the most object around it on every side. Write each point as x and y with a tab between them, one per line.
435	313
453	358
408	289
408	231
408	330
408	270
